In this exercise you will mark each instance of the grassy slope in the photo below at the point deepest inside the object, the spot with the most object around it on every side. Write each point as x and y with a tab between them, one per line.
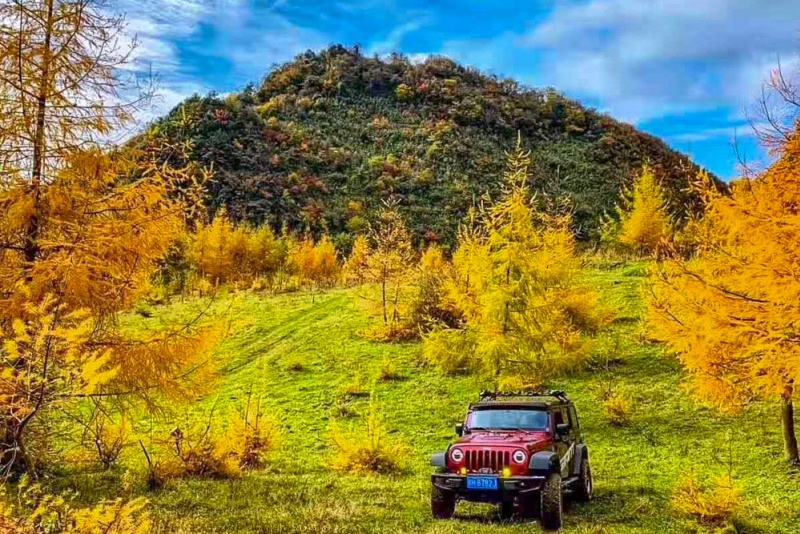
635	467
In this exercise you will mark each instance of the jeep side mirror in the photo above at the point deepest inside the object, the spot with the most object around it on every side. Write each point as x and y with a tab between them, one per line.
460	429
562	429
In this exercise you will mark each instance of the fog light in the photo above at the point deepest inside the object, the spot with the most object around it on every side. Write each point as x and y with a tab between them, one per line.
463	471
506	472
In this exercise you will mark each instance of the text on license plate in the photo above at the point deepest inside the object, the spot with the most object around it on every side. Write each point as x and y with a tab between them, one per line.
482	483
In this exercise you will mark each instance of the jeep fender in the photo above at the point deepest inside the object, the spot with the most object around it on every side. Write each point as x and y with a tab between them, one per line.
581	452
544	462
439	459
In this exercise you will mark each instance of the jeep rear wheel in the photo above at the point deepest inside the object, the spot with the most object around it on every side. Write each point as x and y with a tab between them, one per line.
552	503
443	504
585	486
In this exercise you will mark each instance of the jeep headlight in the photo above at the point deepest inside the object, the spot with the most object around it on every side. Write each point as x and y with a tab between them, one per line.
456	455
519	457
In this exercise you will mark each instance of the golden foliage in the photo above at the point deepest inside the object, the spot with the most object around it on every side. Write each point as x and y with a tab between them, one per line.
709	506
617	408
388	370
643	222
516	285
99	242
315	264
210	451
224	252
82	230
357	265
42	513
388	264
253	437
730	311
110	437
201	453
371	452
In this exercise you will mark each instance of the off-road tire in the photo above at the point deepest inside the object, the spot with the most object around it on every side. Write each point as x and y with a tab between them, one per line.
585	485
552	503
506	509
443	504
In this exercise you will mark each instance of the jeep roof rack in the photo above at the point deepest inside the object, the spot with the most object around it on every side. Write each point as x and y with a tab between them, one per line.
495	395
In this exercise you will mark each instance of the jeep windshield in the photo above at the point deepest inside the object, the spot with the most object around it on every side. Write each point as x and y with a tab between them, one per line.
508	419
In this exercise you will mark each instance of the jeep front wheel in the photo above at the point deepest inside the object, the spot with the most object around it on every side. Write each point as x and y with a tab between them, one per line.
583	492
552	504
443	504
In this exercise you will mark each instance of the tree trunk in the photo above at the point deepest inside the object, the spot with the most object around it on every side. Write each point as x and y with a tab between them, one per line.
383	295
787	421
39	140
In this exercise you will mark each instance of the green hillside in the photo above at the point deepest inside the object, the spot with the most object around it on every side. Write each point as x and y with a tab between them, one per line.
324	139
635	467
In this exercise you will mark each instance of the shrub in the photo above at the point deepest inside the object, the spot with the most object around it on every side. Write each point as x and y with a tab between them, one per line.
43	513
109	438
584	311
371	452
617	408
353	389
710	506
253	436
388	370
113	517
202	454
428	306
450	350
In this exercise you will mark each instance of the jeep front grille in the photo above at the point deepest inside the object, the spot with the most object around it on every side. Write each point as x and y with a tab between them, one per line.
494	460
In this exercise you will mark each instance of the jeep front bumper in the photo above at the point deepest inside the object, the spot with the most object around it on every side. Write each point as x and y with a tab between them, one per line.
508	487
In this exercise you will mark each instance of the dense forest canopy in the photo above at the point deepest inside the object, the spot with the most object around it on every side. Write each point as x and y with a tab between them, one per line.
326	138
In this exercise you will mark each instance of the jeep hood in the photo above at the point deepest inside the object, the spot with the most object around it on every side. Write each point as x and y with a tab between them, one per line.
505	438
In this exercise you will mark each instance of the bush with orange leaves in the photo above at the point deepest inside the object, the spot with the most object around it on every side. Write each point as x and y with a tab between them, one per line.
710	506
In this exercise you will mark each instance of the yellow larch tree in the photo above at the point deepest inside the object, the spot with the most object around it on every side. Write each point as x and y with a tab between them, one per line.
98	244
212	250
63	86
357	265
81	230
315	264
514	270
326	263
731	311
389	262
641	222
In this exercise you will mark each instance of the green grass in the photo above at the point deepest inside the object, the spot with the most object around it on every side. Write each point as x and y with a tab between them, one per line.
635	467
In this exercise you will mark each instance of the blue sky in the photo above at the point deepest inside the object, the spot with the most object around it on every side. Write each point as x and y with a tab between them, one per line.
685	70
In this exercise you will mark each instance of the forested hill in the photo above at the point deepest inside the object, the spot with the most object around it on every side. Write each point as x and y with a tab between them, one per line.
327	137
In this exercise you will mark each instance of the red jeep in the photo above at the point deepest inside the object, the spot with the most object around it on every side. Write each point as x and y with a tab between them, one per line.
522	450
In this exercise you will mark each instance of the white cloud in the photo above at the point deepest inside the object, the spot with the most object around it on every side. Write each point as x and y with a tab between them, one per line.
392	41
247	36
644	59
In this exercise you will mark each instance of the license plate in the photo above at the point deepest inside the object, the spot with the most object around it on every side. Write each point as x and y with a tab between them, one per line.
482	483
